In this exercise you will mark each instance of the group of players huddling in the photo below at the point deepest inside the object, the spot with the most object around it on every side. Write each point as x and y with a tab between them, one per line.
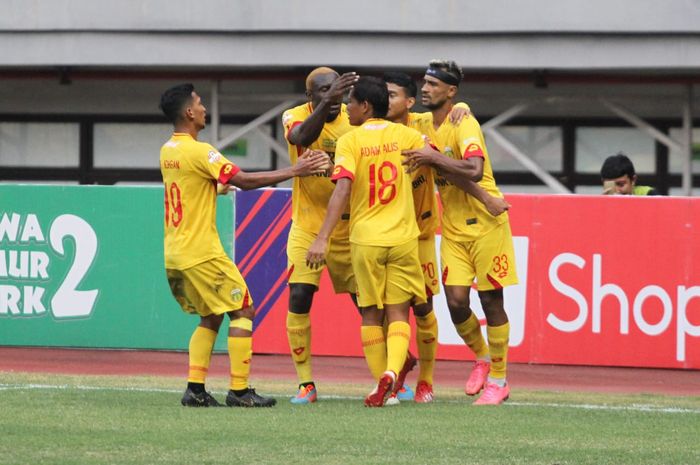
364	207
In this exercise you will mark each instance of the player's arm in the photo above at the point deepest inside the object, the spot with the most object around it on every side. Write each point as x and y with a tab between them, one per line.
306	133
461	178
471	168
311	162
494	205
316	254
465	174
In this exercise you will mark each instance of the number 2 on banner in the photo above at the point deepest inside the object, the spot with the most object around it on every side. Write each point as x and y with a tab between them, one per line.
385	184
175	203
68	301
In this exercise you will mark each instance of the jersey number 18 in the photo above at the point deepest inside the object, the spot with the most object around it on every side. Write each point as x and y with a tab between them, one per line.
387	189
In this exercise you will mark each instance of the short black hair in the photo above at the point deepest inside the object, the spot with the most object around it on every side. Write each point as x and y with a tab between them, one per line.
402	80
616	166
448	66
373	90
174	99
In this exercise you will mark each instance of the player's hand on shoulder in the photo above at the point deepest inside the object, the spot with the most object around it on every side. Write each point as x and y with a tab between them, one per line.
458	113
316	255
415	158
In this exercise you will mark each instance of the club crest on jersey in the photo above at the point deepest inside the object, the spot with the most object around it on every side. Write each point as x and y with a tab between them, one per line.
237	295
448	151
328	144
214	156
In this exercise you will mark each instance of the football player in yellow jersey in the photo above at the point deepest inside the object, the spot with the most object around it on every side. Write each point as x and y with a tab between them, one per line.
475	243
402	97
202	278
316	124
383	229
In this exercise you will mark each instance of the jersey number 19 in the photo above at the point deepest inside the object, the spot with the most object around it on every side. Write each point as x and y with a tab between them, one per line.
173	207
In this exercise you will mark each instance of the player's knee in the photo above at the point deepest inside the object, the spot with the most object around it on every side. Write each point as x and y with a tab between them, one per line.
300	297
422	309
492	304
212	322
372	316
457	303
457	297
491	301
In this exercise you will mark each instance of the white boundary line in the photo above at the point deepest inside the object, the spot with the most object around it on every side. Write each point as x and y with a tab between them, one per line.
626	408
601	407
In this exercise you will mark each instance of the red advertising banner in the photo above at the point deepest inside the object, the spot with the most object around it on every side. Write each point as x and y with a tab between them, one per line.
603	281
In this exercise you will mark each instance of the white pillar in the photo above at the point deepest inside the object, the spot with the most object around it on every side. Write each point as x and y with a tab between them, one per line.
215	116
687	178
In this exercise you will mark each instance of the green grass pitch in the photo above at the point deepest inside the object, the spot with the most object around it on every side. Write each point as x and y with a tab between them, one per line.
56	419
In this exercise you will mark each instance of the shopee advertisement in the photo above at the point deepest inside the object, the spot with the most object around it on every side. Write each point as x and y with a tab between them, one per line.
604	280
612	280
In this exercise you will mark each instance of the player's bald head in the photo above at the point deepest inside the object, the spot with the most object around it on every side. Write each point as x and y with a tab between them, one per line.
322	70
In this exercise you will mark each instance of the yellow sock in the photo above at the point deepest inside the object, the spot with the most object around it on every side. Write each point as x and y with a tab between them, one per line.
299	337
374	347
201	345
426	337
240	352
498	345
397	339
470	331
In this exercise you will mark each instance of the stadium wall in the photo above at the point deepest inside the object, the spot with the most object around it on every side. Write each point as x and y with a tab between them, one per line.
82	266
603	280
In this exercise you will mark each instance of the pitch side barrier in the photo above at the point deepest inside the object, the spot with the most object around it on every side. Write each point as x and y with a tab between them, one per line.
603	280
82	266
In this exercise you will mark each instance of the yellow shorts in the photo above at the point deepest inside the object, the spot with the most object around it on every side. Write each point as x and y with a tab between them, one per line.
491	259
429	265
388	275
213	287
337	262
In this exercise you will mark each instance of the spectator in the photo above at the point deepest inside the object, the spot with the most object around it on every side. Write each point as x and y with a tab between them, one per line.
619	177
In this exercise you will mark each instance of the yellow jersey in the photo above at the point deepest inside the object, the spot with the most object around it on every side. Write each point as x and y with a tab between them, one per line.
310	194
464	217
423	181
423	122
381	200
190	172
